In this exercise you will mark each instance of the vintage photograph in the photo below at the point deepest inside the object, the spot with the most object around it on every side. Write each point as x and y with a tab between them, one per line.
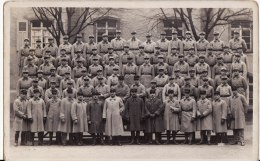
100	82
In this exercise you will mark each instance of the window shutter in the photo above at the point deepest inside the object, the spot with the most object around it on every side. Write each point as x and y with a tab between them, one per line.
22	32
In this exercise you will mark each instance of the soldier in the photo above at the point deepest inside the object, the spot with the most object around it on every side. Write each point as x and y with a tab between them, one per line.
237	41
202	66
194	80
112	111
78	56
171	59
238	82
216	70
51	59
23	53
23	83
161	80
46	67
122	89
163	43
204	115
48	93
20	123
239	108
102	89
140	55
62	54
123	59
53	115
153	87
37	116
41	81
89	46
149	45
54	77
146	72
173	87
95	80
188	85
154	117
112	80
53	48
207	88
216	44
203	75
94	115
96	56
63	68
202	45
118	43
140	87
177	78
80	81
176	42
76	72
161	64
93	68
188	114
78	46
31	67
191	58
134	111
30	93
110	67
154	56
134	43
243	56
103	45
65	124
210	59
79	118
182	66
171	116
34	60
67	46
129	71
65	80
70	86
227	57
188	43
219	111
87	89
238	64
218	80
109	55
39	49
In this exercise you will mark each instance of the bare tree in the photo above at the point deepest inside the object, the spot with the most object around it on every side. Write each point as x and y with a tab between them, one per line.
76	23
209	17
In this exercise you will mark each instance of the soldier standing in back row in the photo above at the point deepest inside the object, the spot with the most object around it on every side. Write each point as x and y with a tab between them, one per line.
23	83
237	41
163	43
118	43
89	46
53	48
202	45
23	53
78	46
216	44
66	45
103	45
188	43
149	45
176	42
134	43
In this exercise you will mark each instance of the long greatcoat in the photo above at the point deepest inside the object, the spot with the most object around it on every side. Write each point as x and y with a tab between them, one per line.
95	110
219	108
79	112
53	115
171	115
134	111
36	111
65	113
154	124
112	110
238	110
20	109
188	110
204	107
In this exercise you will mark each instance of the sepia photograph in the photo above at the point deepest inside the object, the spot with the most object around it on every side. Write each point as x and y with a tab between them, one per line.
109	80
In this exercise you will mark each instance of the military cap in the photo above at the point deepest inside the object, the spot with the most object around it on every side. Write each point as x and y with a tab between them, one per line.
202	33
202	92
216	93
26	39
219	57
29	57
25	71
170	91
67	72
237	55
171	78
69	91
215	33
62	49
78	51
161	69
99	70
173	48
152	91
201	56
235	69
174	32
223	69
118	31
50	38
95	58
236	32
69	82
47	51
38	40
94	48
192	48
188	32
39	71
65	37
54	91
205	71
53	82
129	58
116	69
31	49
121	77
95	93
35	80
136	77
148	35
112	90
79	60
133	33
180	55
133	90
163	33
52	68
146	57
234	88
224	77
110	47
141	47
192	70
23	91
209	48
186	78
63	59
91	36
79	36
205	79
157	47
126	45
104	35
226	46
160	56
100	78
177	70
80	93
111	58
86	79
36	90
153	81
186	90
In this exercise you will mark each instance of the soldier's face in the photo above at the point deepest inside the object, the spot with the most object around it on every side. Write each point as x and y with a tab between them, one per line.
225	50
35	84
79	39
39	75
105	38
69	85
25	75
146	60
80	98
54	96
177	73
170	95
52	72
148	38
63	62
110	51
237	58
23	96
160	60
187	82
26	42
216	36
188	36
67	75
203	96
91	39
134	94
136	81
236	35
202	36
31	53
86	82
126	49
191	52
217	97
95	61
94	52
95	97
141	49
153	84
37	94
174	36
202	60
187	94
115	72
205	83
174	51
112	94
181	58
118	34
111	61
192	73
163	36
38	43
236	72
63	52
53	85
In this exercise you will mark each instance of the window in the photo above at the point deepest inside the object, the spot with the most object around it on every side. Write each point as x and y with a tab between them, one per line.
108	26
168	27
245	28
22	32
39	31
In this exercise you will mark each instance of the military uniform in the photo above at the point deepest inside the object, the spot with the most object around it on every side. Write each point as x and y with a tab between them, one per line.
164	45
89	46
64	83
202	46
149	45
161	81
123	58
62	57
217	68
176	43
236	42
53	48
134	43
112	81
176	91
183	67
188	43
118	44
23	83
76	60
95	80
216	45
108	71
171	59
93	70
46	69
23	53
129	71
227	58
103	46
240	83
67	46
87	91
122	91
32	69
210	59
39	51
63	69
200	67
192	59
48	94
241	66
146	73
77	72
55	78
78	46
107	57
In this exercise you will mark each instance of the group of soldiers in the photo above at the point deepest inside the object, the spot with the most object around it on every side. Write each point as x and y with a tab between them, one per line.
150	87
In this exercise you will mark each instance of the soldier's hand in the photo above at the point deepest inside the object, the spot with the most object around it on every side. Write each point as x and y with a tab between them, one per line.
30	120
89	122
192	119
75	121
62	120
222	121
24	117
44	120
